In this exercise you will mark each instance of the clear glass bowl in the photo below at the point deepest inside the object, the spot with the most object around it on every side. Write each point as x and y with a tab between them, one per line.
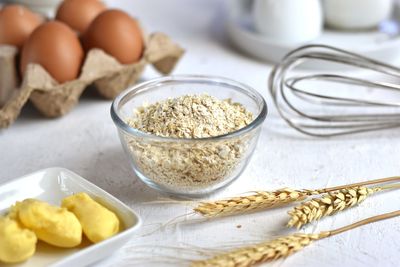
189	167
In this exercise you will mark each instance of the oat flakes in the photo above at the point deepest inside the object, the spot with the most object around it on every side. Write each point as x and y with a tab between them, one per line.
190	164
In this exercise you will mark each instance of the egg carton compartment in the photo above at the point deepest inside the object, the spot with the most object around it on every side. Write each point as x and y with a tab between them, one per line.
104	71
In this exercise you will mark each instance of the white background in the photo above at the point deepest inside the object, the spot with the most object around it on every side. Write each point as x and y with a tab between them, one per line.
86	142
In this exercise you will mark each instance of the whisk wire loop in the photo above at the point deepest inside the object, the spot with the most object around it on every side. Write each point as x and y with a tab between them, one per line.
322	111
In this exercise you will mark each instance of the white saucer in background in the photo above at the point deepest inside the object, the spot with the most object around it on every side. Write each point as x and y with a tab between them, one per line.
382	44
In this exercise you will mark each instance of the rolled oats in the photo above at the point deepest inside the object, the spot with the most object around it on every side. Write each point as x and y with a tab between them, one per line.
195	163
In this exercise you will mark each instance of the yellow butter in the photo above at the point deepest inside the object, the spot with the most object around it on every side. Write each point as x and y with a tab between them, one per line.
98	223
13	212
16	244
51	224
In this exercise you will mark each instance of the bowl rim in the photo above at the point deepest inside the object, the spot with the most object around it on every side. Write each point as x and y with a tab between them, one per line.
252	93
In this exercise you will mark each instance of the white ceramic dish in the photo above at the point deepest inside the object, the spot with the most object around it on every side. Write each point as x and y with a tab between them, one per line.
288	20
382	45
351	14
52	185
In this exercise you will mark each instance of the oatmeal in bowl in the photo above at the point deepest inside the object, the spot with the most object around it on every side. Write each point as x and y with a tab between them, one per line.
189	135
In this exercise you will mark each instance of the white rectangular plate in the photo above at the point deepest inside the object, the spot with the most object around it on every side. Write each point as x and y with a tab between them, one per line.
52	185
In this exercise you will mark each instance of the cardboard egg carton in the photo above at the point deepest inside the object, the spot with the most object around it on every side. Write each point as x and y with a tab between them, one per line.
104	71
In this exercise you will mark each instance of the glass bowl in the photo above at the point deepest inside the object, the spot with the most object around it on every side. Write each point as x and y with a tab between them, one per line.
188	167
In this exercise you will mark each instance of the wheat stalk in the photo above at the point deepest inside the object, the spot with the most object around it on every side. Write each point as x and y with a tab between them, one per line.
328	204
264	252
331	203
257	201
269	199
278	248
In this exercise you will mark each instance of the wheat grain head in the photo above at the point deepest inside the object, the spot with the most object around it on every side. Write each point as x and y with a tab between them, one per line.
328	204
264	252
257	201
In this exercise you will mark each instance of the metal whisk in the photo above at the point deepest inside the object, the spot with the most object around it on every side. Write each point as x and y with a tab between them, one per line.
338	102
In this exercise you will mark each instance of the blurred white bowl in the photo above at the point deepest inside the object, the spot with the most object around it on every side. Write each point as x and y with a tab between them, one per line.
356	14
288	21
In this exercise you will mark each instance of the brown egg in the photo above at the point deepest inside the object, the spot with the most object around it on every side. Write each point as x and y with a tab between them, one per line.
56	47
117	34
78	14
16	24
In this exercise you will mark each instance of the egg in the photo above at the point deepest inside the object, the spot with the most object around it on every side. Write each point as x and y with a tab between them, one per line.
16	24
51	224
98	223
55	47
78	14
16	243
116	33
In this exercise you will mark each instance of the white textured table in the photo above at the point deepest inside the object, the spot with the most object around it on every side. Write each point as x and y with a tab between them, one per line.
86	142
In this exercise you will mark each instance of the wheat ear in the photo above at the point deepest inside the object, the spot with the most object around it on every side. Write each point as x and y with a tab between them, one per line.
327	205
269	199
279	248
257	201
264	252
331	203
